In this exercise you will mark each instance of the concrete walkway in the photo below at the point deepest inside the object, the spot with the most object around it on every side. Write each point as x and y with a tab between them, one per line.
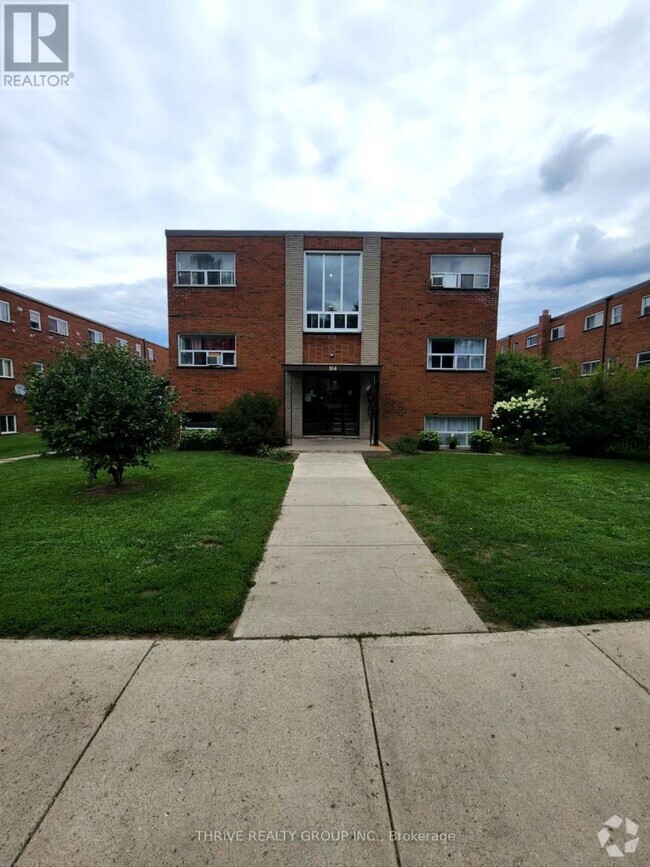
343	560
516	746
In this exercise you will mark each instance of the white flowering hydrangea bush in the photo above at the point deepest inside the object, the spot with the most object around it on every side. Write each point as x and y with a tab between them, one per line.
521	417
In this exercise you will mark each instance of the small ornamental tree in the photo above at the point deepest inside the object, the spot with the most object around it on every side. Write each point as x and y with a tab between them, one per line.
104	406
521	419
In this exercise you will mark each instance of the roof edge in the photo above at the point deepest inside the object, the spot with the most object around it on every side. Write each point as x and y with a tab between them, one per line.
272	233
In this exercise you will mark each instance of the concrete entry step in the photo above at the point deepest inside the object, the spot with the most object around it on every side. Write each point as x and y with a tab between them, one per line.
336	445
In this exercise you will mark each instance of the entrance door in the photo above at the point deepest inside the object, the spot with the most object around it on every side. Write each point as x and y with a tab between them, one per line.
330	405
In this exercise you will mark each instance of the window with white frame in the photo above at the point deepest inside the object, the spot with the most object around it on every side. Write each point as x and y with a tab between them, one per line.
587	368
95	336
6	368
121	342
207	350
645	305
612	362
556	372
531	340
594	320
457	426
35	320
138	350
557	333
57	326
205	269
460	272
504	348
456	354
150	355
617	314
8	424
332	292
5	312
515	346
642	359
37	367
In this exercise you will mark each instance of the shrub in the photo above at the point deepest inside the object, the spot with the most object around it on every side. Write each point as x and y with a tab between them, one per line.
250	421
406	445
452	442
481	441
103	406
517	373
429	440
513	418
196	440
281	455
526	444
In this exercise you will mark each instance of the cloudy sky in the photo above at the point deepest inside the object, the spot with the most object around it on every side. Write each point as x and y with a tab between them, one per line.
530	117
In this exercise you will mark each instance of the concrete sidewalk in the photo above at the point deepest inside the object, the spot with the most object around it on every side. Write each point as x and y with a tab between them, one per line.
516	746
343	560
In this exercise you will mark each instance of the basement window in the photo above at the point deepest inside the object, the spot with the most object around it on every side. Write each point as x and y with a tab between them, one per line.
8	424
205	269
207	350
643	359
448	425
460	272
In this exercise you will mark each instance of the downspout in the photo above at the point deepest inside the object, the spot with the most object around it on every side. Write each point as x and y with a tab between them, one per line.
605	325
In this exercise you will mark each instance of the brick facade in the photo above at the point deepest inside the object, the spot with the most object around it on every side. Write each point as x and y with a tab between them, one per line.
25	346
399	312
622	340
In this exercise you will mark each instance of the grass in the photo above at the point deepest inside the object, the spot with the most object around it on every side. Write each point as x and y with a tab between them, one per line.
14	445
173	552
539	539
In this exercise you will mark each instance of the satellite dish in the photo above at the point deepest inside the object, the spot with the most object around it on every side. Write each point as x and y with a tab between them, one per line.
20	389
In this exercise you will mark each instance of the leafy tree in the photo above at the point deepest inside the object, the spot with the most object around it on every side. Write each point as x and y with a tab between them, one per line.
104	406
516	374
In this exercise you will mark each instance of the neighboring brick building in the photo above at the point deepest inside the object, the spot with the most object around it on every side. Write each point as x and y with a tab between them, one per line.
30	330
612	330
358	334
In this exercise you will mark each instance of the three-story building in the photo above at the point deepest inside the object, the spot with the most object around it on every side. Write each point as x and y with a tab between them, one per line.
359	334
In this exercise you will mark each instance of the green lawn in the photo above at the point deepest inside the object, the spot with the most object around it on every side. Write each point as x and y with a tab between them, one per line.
13	445
533	539
173	552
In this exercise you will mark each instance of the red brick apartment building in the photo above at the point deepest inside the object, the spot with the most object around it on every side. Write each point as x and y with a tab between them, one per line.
358	334
30	330
613	330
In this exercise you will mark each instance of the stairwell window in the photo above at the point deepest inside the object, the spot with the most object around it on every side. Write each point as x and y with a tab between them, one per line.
594	320
150	355
645	306
531	341
557	333
6	368
460	272
57	326
617	314
205	269
121	342
456	354
207	350
5	312
138	350
95	336
332	292
34	320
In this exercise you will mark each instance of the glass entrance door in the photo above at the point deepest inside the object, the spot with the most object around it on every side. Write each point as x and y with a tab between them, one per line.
330	404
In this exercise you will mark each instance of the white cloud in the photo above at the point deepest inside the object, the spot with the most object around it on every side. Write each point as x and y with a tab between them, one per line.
357	115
